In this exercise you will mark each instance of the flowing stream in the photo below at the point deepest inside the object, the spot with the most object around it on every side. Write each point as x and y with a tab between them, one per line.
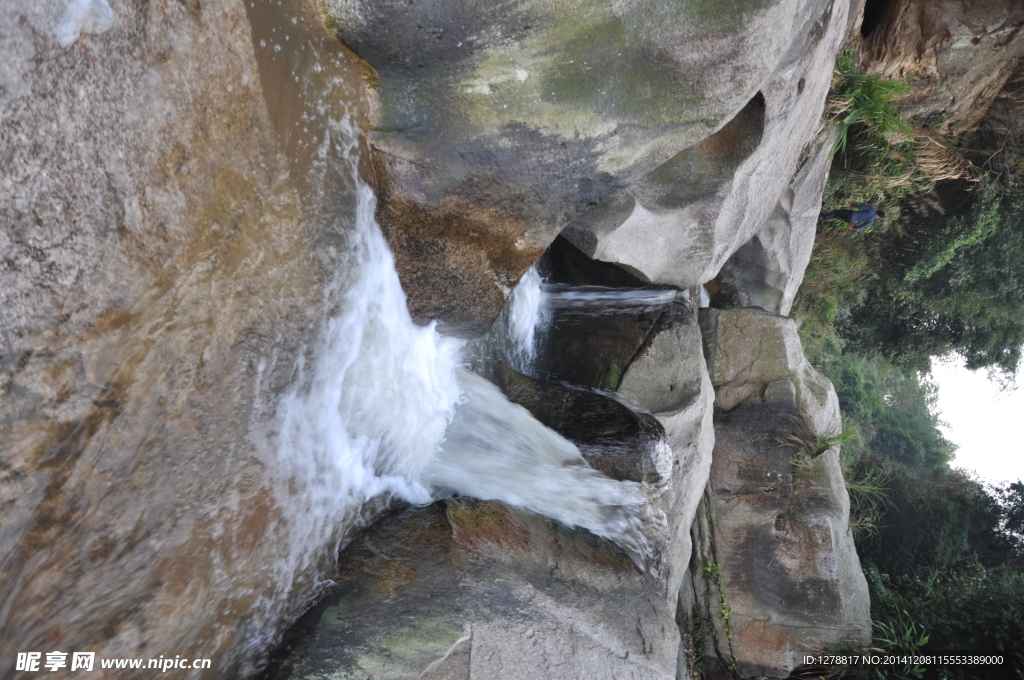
259	401
383	407
598	300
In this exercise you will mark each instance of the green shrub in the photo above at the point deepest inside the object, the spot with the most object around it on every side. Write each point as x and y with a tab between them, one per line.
866	102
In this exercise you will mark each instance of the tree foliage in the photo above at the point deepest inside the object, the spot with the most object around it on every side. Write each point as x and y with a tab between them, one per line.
958	289
945	554
893	410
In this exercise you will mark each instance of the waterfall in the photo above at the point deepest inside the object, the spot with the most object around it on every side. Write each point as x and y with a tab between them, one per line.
525	316
384	406
496	450
597	300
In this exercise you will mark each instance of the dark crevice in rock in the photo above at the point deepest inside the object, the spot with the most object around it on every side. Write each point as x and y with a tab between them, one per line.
614	439
743	280
587	349
565	263
874	13
715	655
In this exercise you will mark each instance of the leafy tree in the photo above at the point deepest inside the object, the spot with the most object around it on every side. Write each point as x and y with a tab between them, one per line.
962	292
893	410
1011	501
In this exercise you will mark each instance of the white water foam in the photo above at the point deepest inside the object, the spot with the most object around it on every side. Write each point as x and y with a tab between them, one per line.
526	313
597	300
496	450
372	399
387	408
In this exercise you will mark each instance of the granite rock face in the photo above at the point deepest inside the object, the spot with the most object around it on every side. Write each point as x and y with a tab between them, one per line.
767	270
651	358
669	378
465	590
166	260
159	281
774	545
755	355
496	128
681	222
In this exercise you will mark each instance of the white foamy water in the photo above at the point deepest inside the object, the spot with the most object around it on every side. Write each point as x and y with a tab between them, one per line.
526	313
516	334
496	450
602	300
385	407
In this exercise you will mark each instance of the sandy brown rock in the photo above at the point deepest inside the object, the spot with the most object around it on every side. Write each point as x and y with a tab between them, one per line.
158	282
959	55
776	573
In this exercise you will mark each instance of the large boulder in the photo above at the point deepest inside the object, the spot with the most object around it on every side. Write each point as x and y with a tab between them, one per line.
630	386
496	128
668	377
754	355
160	282
473	590
652	359
775	573
681	222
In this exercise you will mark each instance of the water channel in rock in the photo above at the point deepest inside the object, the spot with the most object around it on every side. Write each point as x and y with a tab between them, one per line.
238	478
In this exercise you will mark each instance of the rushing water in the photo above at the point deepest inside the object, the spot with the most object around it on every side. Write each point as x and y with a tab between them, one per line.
262	404
519	334
526	314
383	407
598	300
387	406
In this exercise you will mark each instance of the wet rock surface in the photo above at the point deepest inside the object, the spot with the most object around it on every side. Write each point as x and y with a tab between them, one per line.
614	439
663	374
158	284
469	589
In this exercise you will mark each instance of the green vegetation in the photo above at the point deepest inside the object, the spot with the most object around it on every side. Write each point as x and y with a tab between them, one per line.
881	159
808	444
860	99
961	289
942	274
901	636
931	539
713	574
611	381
